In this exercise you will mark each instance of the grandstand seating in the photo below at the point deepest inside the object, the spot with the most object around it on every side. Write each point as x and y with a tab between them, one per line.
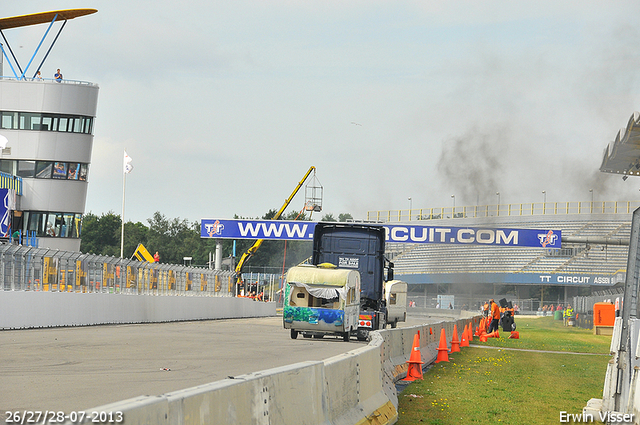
573	258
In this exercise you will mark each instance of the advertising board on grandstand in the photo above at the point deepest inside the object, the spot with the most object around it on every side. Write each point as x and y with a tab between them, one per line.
303	230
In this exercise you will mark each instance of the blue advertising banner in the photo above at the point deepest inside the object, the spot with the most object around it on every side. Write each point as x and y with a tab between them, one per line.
303	230
5	211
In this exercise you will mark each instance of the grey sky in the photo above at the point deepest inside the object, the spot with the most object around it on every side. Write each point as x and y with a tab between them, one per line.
223	106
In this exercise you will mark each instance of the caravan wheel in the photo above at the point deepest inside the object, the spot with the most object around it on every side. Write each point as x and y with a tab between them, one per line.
346	336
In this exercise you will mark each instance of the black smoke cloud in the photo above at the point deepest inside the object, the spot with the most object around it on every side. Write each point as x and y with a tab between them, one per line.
473	165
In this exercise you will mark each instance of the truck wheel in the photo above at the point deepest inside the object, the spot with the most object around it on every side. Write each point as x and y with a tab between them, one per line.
346	336
318	336
294	334
306	335
362	334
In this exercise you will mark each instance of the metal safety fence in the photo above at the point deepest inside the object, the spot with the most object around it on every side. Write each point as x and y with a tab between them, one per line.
26	268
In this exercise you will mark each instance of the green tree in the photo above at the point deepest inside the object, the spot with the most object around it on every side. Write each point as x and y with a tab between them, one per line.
134	234
344	217
101	235
173	239
328	217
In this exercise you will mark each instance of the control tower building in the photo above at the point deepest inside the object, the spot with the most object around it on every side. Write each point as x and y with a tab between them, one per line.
47	124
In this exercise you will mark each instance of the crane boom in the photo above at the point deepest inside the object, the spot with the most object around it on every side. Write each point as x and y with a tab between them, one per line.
256	245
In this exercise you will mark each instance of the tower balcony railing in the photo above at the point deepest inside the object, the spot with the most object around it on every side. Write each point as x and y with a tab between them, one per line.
46	80
505	210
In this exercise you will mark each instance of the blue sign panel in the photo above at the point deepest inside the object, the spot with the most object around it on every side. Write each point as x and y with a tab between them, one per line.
5	211
303	230
554	279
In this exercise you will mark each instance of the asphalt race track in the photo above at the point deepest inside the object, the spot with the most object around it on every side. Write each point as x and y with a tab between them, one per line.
78	368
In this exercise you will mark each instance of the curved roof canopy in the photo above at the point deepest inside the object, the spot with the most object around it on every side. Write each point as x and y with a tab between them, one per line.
43	17
622	156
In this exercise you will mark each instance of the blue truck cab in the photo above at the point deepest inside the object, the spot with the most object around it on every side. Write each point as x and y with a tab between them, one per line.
358	246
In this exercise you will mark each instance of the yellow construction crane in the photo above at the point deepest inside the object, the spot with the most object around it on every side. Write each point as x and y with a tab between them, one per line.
252	250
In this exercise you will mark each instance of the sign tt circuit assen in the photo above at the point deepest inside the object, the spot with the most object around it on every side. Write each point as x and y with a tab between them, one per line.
303	230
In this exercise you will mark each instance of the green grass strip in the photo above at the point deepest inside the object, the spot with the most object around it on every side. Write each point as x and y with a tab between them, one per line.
489	386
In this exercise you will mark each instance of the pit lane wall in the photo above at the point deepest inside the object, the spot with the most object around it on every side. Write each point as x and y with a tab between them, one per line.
357	387
32	309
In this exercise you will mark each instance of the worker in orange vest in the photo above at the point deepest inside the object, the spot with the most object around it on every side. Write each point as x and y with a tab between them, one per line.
485	310
495	316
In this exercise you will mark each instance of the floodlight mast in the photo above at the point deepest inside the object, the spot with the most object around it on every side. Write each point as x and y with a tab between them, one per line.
256	245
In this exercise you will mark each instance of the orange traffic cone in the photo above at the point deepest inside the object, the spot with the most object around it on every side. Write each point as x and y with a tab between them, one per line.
477	332
443	351
483	337
493	334
415	361
483	325
514	335
465	337
455	342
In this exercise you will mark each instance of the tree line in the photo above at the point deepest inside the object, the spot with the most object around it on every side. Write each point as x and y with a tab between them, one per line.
177	238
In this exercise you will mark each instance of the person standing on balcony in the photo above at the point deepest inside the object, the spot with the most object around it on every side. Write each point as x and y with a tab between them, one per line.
58	76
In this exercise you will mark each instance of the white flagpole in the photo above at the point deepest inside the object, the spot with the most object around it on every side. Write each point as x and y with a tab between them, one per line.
124	179
126	168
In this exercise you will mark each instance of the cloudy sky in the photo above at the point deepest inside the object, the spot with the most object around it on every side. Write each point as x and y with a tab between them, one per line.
224	105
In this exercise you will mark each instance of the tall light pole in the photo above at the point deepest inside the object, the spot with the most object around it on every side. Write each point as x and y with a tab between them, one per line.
498	195
410	206
544	202
454	203
498	205
591	209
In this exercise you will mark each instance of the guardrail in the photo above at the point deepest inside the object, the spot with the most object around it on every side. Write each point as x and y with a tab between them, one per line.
352	388
504	210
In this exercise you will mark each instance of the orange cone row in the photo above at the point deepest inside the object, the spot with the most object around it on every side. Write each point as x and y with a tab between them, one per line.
415	360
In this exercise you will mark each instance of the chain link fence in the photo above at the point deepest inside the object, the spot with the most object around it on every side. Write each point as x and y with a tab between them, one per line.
25	268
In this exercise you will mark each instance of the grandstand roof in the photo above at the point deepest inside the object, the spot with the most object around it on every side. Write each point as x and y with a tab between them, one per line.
43	17
622	156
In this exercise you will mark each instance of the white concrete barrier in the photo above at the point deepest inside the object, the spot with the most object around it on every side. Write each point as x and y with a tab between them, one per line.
30	309
353	388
